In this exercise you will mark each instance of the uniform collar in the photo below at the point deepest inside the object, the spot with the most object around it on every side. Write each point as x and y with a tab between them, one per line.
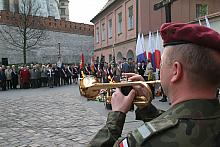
195	109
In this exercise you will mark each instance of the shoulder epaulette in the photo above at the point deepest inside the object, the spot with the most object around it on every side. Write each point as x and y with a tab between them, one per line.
148	129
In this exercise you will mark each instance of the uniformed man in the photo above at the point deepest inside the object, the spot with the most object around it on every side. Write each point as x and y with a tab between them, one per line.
190	76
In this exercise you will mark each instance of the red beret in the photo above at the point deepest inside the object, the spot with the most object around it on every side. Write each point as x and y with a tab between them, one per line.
182	33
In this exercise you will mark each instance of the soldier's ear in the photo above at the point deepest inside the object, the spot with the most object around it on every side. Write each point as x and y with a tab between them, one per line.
177	72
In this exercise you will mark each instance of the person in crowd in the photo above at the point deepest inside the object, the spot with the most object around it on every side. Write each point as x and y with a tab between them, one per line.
117	73
3	78
87	69
50	75
25	77
109	70
95	69
99	73
33	76
190	77
75	74
63	75
125	66
141	69
105	75
20	68
131	66
43	76
8	72
69	73
149	70
38	73
56	75
14	76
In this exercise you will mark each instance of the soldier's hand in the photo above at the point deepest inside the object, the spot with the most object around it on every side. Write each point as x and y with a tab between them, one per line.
122	103
133	77
140	89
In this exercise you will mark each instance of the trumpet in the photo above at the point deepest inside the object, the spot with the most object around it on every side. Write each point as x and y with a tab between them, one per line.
90	88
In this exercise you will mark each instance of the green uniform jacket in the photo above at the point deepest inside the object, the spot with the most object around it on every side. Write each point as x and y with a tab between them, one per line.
193	123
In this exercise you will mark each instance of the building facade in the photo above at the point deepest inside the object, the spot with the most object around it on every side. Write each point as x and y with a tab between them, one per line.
64	9
45	7
117	24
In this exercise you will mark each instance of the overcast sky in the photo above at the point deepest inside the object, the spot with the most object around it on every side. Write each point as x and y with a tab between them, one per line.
83	11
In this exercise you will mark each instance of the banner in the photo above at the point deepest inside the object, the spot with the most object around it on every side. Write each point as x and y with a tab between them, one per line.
149	53
140	49
82	62
157	52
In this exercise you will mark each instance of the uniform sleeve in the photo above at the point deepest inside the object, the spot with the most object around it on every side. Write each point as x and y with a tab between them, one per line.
147	113
107	136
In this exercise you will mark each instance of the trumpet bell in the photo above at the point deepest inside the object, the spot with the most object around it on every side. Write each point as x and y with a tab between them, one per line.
86	82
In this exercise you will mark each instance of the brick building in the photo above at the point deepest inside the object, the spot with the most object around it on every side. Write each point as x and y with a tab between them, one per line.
118	23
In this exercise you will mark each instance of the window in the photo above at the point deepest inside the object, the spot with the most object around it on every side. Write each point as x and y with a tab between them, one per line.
62	4
130	18
201	10
6	5
119	23
103	31
16	7
97	35
62	11
110	28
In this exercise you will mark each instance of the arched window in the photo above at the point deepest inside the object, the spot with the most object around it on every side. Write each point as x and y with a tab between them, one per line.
119	56
130	54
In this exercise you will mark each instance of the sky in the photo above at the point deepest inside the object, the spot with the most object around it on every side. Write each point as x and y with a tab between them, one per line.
83	11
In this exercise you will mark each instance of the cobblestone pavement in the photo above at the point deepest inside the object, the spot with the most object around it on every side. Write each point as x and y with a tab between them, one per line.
52	117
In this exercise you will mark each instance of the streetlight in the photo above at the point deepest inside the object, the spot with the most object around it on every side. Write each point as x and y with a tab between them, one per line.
59	55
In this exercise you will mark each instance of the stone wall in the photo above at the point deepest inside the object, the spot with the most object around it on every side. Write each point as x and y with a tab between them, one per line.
48	23
47	51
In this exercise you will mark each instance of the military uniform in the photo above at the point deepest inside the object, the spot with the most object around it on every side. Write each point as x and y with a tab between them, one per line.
191	123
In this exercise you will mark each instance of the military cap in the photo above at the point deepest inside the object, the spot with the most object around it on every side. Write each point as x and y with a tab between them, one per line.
182	33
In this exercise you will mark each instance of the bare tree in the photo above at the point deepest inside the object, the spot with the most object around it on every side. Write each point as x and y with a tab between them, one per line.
27	31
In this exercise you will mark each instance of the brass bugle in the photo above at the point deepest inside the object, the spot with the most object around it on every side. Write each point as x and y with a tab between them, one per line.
98	86
90	88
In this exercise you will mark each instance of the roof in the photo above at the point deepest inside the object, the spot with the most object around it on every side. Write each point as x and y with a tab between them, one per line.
108	4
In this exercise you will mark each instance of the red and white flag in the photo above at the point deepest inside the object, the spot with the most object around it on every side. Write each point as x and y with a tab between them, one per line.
124	143
157	52
149	53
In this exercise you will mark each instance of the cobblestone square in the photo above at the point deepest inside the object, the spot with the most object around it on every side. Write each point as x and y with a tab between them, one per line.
52	117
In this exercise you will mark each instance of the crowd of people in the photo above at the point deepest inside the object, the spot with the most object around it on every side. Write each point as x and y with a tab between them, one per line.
112	72
115	70
50	75
37	75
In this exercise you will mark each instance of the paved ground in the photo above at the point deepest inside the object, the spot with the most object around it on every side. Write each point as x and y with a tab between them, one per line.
53	117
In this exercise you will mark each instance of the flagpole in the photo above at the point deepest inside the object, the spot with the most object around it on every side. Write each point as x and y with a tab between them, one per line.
207	22
200	22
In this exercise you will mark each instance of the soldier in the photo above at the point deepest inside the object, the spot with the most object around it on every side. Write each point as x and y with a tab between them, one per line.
190	76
